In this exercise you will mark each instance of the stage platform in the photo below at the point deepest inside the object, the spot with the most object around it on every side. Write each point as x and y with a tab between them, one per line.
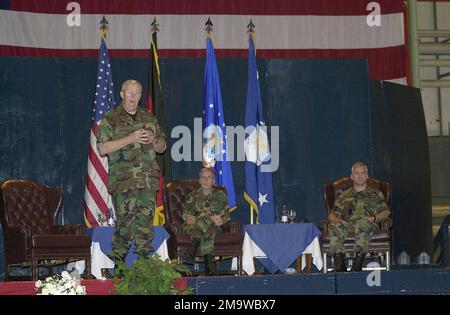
421	281
404	282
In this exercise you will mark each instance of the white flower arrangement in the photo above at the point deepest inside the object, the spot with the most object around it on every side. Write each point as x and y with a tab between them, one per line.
62	284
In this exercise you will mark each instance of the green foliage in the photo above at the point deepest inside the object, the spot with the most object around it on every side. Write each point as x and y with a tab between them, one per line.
150	276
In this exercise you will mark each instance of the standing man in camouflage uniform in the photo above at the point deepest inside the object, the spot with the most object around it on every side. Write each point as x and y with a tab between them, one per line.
359	210
206	210
130	136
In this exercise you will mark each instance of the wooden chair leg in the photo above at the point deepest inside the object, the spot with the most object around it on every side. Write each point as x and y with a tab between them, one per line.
239	265
308	259
7	271
217	263
87	269
308	262
34	270
299	263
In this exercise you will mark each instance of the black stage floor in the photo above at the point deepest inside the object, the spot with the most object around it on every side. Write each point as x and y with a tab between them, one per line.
418	281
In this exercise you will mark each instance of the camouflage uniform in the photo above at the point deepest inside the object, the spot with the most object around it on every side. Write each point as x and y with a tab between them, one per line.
203	207
354	207
132	180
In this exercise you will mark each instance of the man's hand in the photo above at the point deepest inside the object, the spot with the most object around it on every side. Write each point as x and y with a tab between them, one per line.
159	145
217	219
371	218
142	136
150	135
333	218
190	219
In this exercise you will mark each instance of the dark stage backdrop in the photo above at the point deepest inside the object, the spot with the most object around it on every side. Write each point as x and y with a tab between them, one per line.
322	110
47	104
400	155
321	106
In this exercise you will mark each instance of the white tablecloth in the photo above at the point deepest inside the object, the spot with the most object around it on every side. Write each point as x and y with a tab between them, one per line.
100	261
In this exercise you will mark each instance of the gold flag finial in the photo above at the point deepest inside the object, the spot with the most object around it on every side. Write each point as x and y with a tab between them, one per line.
103	27
209	26
251	28
155	25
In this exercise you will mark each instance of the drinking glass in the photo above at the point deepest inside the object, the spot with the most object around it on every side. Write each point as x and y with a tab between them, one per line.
291	215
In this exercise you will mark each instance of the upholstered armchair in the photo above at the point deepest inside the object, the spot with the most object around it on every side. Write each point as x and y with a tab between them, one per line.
226	244
28	214
380	242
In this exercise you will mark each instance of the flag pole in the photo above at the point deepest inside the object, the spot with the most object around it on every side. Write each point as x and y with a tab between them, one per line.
103	30
98	207
214	148
250	32
155	105
154	31
258	184
208	30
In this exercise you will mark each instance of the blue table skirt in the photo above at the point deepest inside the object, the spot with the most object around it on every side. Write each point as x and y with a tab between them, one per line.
282	243
104	234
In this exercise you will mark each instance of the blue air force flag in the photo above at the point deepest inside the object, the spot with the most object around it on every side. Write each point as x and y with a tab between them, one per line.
214	137
258	176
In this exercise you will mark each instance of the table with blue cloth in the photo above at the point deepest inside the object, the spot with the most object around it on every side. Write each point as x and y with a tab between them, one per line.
278	246
101	246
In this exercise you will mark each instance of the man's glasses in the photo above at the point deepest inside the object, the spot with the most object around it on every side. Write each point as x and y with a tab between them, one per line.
131	92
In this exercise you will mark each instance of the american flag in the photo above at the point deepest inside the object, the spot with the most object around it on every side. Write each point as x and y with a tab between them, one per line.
97	201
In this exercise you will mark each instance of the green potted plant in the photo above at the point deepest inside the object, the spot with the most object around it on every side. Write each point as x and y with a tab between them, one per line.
151	276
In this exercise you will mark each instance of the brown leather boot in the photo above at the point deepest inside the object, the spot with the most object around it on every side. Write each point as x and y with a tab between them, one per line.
339	262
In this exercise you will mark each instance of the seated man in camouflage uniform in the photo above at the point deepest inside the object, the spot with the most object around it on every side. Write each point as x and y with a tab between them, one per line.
359	210
206	210
130	136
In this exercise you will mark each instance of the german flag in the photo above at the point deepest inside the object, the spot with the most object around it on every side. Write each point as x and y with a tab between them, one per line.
156	105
